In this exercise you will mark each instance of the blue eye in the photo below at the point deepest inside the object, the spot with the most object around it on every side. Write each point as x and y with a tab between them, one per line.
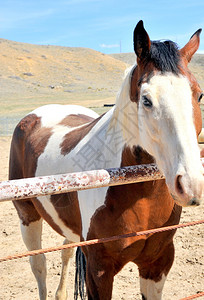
146	102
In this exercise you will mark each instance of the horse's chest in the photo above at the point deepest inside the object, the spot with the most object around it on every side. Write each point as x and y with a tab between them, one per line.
90	202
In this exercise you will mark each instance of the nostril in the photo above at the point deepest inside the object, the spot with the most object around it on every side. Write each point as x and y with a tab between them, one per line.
194	202
179	187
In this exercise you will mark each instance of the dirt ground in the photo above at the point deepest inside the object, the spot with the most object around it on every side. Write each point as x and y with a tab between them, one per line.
17	281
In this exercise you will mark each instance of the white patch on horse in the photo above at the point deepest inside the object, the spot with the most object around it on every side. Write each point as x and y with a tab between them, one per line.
92	199
125	113
150	289
52	152
53	114
31	235
32	241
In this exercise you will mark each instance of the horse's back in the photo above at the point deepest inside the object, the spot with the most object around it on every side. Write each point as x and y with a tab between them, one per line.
33	132
54	114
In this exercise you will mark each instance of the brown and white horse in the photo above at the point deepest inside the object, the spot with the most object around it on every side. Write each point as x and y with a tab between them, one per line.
156	118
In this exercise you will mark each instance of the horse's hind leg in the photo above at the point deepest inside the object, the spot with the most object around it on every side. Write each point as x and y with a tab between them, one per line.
31	229
32	238
66	254
153	275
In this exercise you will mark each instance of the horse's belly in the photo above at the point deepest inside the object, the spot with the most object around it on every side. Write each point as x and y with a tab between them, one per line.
55	216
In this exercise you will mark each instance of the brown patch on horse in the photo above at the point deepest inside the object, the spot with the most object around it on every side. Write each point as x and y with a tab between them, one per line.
72	138
134	90
187	53
191	47
29	141
135	156
139	75
34	147
202	153
26	211
76	120
67	206
196	92
17	152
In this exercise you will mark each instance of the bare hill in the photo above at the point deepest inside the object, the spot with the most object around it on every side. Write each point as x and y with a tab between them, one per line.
34	75
34	72
196	65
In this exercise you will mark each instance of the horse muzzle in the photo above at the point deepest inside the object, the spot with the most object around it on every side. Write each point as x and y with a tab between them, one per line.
188	191
192	202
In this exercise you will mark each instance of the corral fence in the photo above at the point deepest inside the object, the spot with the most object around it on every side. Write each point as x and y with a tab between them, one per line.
63	183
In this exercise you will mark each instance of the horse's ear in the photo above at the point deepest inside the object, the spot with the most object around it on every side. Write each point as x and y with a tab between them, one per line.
141	40
192	46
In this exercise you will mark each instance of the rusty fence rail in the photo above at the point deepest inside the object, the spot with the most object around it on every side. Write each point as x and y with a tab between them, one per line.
63	183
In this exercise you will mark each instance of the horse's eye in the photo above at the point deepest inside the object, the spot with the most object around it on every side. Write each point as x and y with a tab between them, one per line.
146	102
200	97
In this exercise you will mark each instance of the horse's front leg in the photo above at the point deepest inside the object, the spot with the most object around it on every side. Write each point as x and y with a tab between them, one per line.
153	275
99	277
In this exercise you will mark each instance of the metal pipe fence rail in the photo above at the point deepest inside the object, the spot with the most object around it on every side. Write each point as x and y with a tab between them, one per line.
63	183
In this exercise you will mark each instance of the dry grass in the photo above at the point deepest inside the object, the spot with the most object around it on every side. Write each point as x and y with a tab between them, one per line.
33	75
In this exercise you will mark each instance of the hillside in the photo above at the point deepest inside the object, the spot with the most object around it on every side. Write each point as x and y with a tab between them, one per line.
34	75
196	65
50	73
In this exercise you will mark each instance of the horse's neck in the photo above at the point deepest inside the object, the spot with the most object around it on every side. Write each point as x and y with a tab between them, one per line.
103	146
107	141
117	129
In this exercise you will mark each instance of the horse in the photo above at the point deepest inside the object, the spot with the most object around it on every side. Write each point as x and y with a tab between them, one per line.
156	119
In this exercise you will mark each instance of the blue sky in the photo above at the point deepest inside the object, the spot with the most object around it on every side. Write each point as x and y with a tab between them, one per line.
103	25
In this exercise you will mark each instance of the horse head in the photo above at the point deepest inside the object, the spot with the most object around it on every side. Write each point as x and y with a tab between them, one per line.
167	96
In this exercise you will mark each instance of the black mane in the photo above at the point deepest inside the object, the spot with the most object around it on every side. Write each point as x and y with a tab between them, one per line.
165	56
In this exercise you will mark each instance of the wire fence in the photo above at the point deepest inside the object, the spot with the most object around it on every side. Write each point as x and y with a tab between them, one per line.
102	240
